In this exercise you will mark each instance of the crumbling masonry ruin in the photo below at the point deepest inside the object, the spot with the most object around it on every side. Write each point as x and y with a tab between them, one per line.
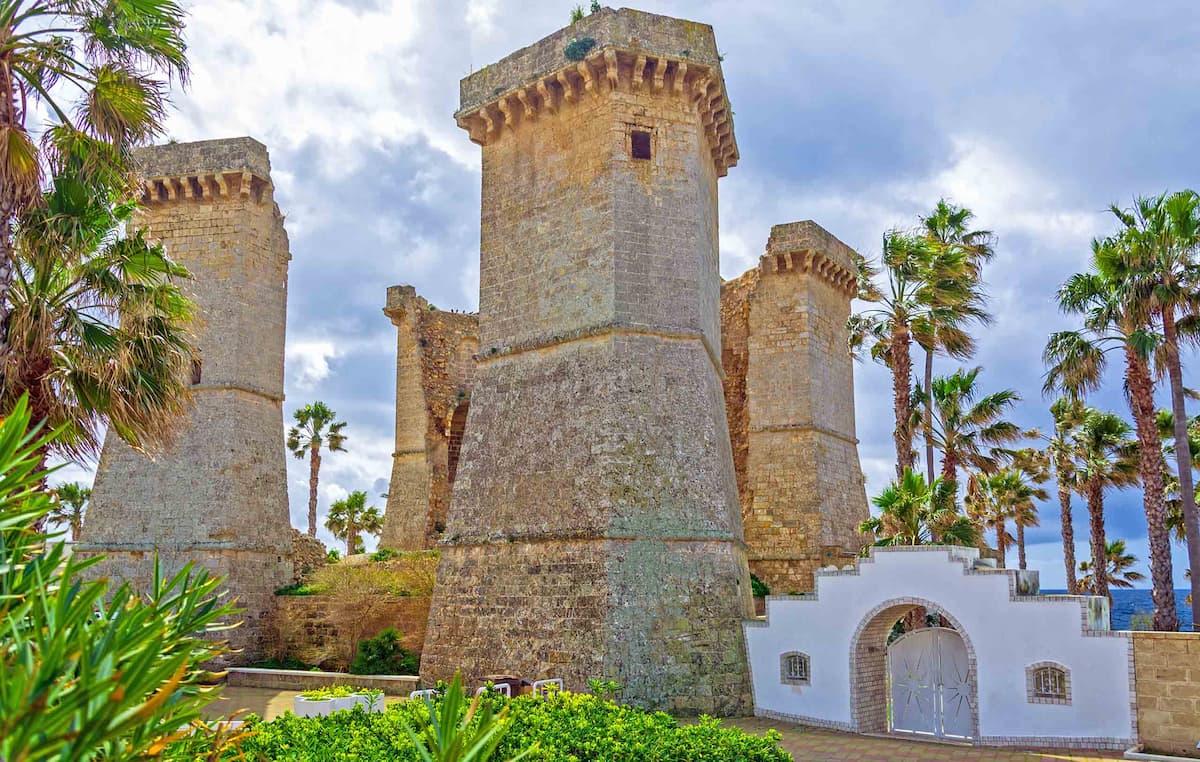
218	497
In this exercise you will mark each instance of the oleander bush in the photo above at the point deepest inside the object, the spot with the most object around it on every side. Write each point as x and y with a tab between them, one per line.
565	727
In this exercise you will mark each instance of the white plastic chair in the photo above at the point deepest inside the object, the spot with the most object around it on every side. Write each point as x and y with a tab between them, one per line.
504	688
548	685
428	693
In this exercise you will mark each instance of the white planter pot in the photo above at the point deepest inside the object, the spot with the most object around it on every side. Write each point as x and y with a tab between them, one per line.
303	707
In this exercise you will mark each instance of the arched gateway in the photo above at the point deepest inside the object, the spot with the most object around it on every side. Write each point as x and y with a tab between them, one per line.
835	658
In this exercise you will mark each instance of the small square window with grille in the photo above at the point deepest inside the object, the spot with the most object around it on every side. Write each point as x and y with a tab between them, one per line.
794	668
1048	684
639	144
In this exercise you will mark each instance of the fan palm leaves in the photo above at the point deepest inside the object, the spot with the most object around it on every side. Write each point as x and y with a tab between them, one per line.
966	426
1160	260
916	512
99	330
1114	319
349	518
1105	457
316	427
70	502
943	329
1118	569
1068	414
920	278
113	60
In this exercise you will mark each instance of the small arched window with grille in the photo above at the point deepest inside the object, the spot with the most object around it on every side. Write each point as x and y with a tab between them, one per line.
1048	683
794	668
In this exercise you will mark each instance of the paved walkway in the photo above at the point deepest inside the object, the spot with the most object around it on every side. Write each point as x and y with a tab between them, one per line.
807	744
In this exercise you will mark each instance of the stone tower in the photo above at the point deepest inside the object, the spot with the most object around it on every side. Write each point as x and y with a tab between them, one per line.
789	389
435	366
594	529
219	496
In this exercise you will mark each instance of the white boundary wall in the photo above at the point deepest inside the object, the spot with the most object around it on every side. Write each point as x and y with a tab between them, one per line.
1005	633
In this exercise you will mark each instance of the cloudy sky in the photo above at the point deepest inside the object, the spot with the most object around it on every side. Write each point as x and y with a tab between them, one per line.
857	115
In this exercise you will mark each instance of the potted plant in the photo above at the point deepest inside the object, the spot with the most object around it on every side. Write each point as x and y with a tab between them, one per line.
322	701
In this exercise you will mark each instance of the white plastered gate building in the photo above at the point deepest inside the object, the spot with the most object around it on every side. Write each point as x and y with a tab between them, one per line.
1012	668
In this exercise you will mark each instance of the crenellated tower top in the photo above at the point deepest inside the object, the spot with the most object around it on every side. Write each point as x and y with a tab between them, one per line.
610	50
807	247
206	170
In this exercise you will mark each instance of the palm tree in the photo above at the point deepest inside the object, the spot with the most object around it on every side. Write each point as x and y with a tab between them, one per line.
99	329
1115	320
1118	571
347	518
69	505
1067	413
315	427
988	506
942	329
1104	458
915	512
115	56
1162	252
921	279
965	424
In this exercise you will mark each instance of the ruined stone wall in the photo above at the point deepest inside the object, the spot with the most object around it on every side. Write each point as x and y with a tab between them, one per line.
435	367
1167	680
218	496
594	529
789	389
311	628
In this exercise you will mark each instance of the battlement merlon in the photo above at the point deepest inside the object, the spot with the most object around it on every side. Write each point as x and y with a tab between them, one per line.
807	247
206	169
632	50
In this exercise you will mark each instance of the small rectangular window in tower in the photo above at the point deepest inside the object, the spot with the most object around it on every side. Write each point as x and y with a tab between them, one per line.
639	142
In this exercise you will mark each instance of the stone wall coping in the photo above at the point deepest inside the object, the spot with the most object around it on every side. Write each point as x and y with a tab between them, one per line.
289	679
222	155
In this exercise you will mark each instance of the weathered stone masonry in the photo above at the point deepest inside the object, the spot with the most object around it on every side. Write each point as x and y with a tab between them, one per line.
435	367
218	497
594	529
789	395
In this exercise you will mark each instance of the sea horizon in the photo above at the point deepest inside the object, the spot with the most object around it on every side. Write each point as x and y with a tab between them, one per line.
1130	601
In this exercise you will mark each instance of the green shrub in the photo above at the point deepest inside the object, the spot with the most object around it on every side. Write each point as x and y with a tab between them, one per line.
576	50
298	588
565	727
329	692
758	587
384	554
384	655
333	556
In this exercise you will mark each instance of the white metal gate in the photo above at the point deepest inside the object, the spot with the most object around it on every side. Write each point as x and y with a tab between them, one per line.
931	684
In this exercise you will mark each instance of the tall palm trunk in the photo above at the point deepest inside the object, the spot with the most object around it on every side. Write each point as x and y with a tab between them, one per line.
1183	457
314	467
1095	503
8	201
1141	402
351	538
901	356
1020	545
1068	535
1002	544
928	422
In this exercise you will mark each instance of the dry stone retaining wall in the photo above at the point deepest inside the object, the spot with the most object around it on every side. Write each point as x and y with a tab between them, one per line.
1167	677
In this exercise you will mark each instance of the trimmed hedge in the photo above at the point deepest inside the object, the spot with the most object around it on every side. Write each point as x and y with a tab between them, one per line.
566	727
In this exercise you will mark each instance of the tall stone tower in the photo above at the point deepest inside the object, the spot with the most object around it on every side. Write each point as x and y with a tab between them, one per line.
219	496
435	366
594	529
789	389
